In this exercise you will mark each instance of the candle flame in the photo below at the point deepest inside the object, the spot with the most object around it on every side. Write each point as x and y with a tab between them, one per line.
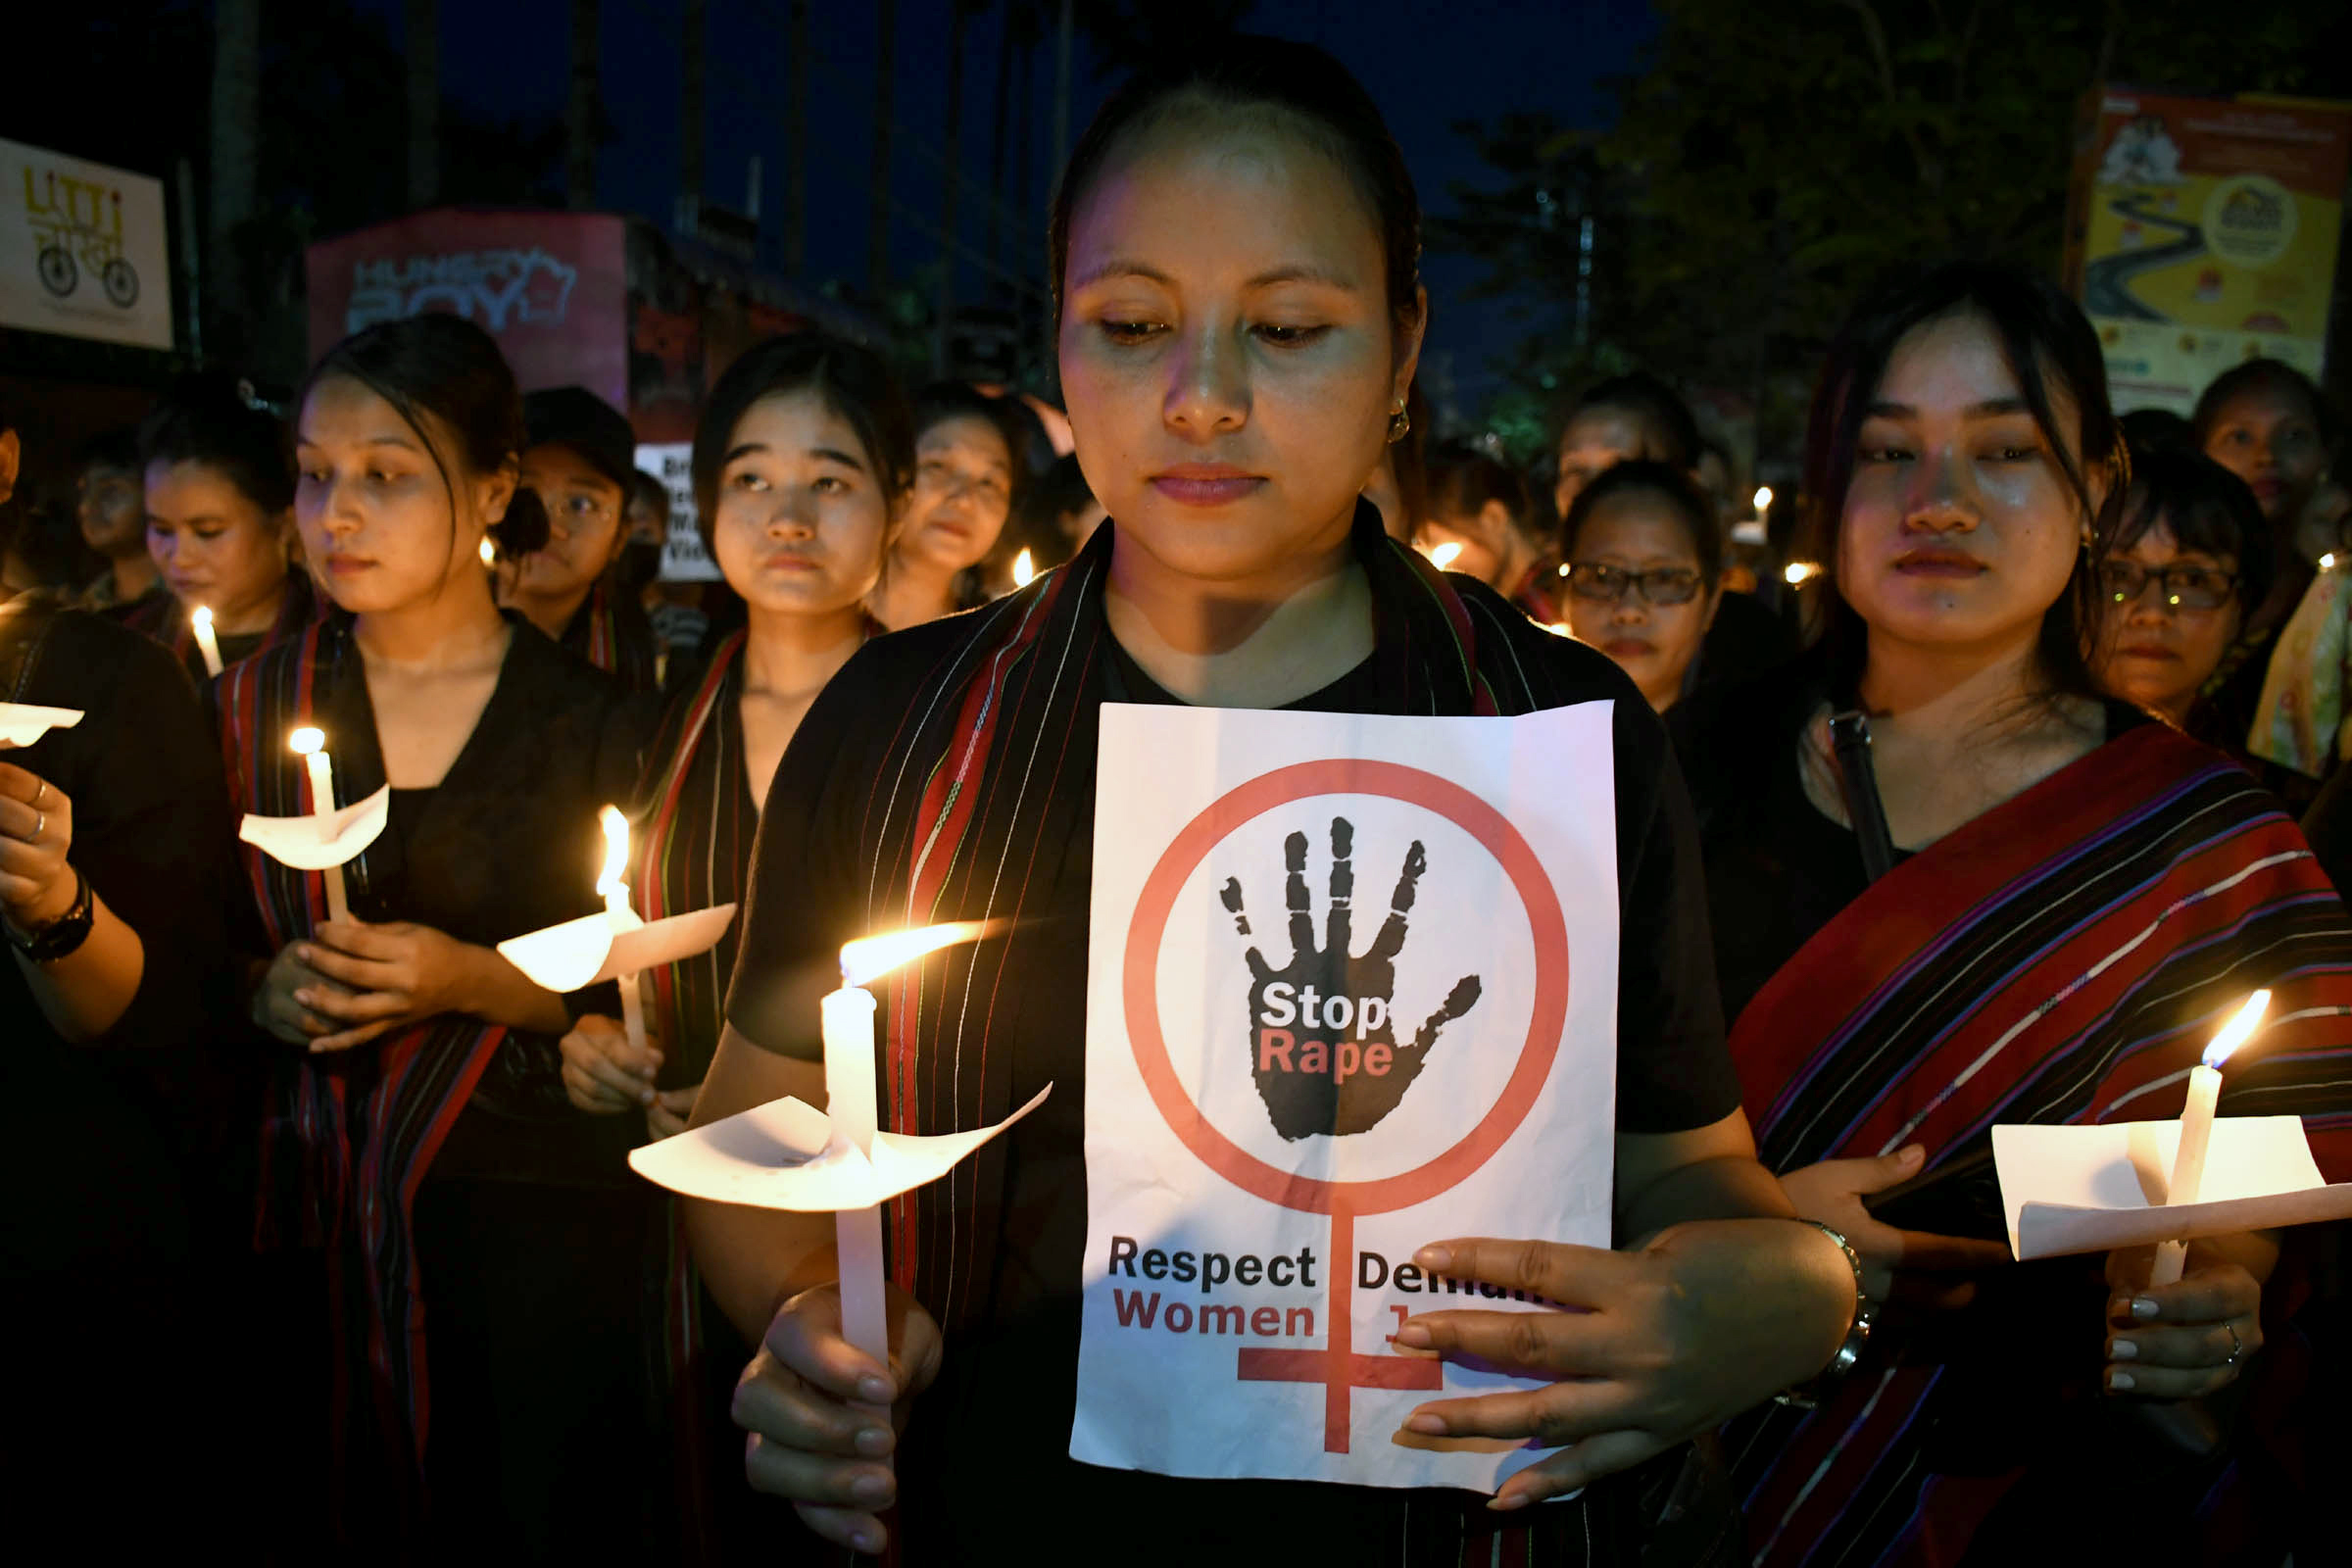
1446	555
201	618
1559	628
1563	568
307	739
869	958
617	850
1801	572
1763	499
1024	568
2235	1032
2328	562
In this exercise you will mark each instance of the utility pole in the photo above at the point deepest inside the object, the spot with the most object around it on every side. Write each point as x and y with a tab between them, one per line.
579	112
235	151
795	143
424	102
691	115
877	235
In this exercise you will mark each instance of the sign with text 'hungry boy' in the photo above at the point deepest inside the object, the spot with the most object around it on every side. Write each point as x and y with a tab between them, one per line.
1352	989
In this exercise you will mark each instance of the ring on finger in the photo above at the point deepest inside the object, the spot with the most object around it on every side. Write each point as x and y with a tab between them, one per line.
2237	1347
40	823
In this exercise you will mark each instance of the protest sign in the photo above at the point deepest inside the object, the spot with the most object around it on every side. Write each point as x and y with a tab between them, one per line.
1291	1087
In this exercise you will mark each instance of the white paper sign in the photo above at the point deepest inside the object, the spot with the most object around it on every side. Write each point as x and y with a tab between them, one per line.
683	557
1281	1106
83	250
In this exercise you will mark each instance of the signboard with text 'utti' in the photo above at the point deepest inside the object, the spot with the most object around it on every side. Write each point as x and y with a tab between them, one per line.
84	250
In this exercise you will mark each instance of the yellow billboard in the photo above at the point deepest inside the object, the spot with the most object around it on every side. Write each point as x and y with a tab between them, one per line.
2204	234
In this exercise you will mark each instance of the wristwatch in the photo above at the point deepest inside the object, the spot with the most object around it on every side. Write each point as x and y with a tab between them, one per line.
1807	1395
62	937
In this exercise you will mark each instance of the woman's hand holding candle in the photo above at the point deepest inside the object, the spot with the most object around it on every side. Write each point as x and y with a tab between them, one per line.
36	829
811	1401
604	1073
2191	1337
401	973
274	1004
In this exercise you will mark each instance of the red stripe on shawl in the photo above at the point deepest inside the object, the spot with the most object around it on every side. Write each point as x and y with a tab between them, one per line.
1816	995
948	798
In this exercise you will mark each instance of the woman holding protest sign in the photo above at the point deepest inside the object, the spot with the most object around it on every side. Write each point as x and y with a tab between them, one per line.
1232	385
1968	890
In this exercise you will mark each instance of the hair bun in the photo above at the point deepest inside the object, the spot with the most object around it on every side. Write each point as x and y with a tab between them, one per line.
524	527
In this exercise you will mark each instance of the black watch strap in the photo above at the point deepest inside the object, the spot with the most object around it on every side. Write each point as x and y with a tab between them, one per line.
64	936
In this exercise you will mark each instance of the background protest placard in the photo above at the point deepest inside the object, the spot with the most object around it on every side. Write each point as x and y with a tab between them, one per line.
1352	990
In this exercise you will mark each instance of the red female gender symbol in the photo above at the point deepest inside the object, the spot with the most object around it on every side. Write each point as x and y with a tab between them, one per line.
1335	1366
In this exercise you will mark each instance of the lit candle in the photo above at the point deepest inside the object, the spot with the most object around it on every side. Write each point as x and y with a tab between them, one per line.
1446	555
852	1107
1024	568
2196	1127
617	912
1801	572
489	553
1763	499
200	621
310	745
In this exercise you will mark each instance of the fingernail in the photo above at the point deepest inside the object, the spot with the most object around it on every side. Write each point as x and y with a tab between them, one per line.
1517	1499
873	1441
866	1542
873	1391
1433	1257
1414	1336
305	951
2120	1382
1425	1423
870	1488
1912	1152
645	1097
2125	1350
2143	1309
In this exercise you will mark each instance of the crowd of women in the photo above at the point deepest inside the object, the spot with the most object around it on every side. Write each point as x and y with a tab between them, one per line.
323	1239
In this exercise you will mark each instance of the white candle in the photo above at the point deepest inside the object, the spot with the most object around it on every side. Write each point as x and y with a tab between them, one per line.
850	1104
616	911
200	621
2196	1127
310	744
855	1110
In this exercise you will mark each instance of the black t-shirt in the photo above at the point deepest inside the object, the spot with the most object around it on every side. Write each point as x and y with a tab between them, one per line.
985	1462
89	1163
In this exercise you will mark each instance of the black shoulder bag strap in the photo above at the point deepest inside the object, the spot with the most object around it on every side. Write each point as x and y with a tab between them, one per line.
1850	741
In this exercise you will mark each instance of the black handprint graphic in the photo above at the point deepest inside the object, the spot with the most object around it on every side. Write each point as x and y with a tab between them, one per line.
1322	1041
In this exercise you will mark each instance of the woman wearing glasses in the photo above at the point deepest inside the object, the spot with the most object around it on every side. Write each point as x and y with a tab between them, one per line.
2184	570
1644	555
581	462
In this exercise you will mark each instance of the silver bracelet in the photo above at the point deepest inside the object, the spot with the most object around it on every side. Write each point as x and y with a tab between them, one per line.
1807	1395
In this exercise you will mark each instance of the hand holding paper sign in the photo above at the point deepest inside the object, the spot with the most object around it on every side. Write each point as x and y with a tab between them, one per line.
1707	1320
1323	1045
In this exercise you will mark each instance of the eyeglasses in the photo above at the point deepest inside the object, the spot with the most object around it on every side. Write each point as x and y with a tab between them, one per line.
2181	587
1608	586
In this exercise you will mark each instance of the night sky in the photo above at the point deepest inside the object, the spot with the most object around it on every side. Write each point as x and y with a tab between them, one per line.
1483	58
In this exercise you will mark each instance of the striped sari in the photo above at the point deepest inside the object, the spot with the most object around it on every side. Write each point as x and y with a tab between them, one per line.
503	845
345	1141
2062	958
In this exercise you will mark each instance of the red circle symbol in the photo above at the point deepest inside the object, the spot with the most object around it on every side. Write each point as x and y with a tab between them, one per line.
1141	983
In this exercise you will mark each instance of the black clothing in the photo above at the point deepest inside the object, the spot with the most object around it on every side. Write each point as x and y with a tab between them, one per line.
1777	869
111	1163
1747	638
996	1427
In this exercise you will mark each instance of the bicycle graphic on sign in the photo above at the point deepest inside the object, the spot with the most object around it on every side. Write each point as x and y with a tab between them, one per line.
77	229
